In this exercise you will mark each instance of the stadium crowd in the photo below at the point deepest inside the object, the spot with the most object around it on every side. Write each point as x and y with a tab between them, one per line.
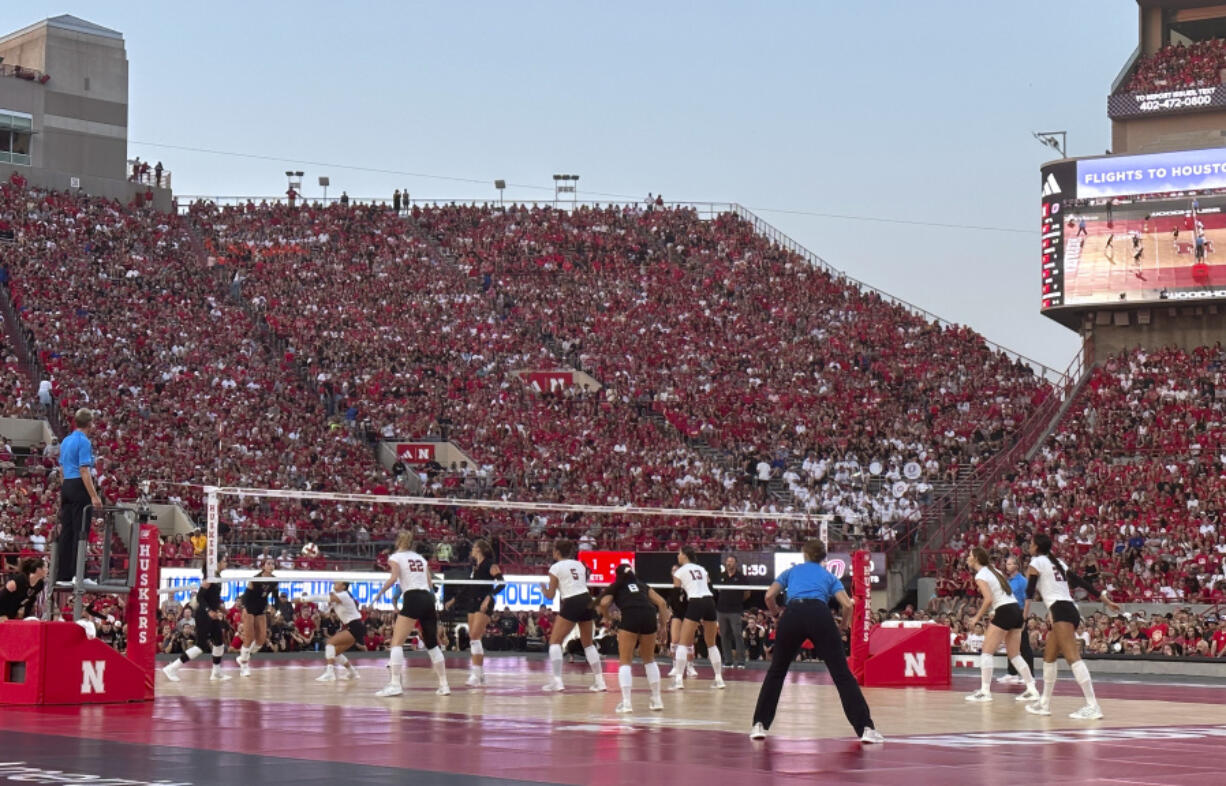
1129	482
1198	64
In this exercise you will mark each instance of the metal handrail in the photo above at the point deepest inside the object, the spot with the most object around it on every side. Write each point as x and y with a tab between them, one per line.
967	492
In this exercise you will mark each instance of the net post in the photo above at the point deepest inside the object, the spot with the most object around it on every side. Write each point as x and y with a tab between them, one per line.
211	531
861	580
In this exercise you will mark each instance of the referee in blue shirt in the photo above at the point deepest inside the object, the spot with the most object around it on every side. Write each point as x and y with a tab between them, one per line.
810	588
78	496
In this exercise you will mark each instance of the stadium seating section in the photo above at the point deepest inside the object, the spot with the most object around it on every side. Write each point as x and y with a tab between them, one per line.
1199	64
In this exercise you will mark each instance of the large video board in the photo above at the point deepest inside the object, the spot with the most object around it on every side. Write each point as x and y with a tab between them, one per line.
1140	228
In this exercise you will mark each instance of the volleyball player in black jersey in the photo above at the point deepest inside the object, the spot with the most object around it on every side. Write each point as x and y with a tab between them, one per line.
254	600
209	630
478	602
18	593
642	612
677	602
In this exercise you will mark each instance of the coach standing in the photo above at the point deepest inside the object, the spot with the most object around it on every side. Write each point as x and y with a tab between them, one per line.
810	588
729	610
77	494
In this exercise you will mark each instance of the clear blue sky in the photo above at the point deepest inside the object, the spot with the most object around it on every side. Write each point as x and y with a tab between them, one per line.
909	110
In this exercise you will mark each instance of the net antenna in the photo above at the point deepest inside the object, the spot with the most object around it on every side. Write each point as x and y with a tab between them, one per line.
213	495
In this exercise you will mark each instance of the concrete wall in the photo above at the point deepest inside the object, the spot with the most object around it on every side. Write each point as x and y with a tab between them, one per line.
1168	132
56	180
25	432
81	113
1108	333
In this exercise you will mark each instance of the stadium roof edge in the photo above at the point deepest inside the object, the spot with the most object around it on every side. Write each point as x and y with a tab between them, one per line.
66	22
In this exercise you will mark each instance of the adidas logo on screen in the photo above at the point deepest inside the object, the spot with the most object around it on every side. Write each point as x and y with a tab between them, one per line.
1050	186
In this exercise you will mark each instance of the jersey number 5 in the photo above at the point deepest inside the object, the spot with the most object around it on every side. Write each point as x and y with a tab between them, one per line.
574	572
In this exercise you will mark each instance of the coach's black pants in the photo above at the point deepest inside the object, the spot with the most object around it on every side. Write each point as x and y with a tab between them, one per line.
74	502
1026	653
812	620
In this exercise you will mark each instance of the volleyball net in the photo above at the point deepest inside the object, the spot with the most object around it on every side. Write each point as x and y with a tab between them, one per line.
397	512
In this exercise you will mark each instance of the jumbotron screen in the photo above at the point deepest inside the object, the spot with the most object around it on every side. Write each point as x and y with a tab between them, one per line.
1140	228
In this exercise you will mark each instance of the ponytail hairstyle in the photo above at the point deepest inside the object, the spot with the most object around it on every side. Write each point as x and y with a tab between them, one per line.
1042	544
624	574
482	545
981	556
691	554
565	548
404	541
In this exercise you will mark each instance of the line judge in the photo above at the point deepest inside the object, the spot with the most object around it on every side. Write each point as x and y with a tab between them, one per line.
78	497
809	588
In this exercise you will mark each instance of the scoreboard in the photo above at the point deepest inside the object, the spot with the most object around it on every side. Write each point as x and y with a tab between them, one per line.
1132	228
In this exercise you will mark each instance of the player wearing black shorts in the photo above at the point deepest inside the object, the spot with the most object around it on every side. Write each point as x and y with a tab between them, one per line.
1006	626
353	630
568	579
677	602
477	601
1050	579
642	612
210	631
700	610
254	600
410	568
22	589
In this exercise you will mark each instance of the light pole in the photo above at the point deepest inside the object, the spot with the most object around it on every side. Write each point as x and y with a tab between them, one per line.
501	186
325	181
295	182
1056	140
565	184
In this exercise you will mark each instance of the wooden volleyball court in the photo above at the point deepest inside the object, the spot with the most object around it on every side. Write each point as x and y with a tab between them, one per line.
280	726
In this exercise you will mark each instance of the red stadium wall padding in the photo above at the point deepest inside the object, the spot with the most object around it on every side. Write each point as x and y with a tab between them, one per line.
56	663
908	655
63	666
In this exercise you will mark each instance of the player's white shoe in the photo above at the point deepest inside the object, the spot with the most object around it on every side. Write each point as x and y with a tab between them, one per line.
598	685
872	737
1038	708
328	676
171	670
348	673
1088	712
217	675
656	705
719	683
678	684
1009	679
1030	694
623	708
244	669
691	672
474	680
980	696
553	686
390	689
443	690
758	732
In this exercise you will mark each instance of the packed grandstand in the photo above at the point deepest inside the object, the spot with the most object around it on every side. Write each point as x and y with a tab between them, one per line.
274	346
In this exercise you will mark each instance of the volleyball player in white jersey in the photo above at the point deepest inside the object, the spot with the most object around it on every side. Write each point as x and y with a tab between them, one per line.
1049	577
568	579
1006	625
417	604
353	630
699	609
